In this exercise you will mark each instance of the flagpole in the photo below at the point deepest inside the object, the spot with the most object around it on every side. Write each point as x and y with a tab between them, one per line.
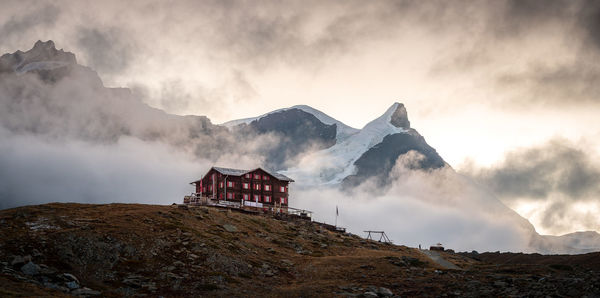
336	215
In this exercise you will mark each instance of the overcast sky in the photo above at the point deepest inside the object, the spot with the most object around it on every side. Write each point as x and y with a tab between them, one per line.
485	82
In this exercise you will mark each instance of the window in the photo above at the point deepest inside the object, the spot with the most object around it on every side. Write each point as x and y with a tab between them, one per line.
247	176
229	183
256	197
210	188
257	176
246	185
282	189
230	195
265	177
221	184
267	187
282	200
257	186
246	197
268	199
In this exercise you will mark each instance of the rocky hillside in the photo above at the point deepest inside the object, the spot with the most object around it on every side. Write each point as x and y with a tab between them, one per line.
119	249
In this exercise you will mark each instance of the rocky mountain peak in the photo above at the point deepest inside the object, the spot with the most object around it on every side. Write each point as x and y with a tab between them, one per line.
46	51
43	55
45	45
399	117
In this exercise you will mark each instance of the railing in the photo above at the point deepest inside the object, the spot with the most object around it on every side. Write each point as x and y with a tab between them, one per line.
198	199
300	212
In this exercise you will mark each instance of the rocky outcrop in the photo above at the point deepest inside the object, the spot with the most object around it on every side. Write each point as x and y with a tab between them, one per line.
377	162
400	117
43	55
296	132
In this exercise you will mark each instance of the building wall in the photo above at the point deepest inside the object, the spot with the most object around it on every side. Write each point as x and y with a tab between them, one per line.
257	180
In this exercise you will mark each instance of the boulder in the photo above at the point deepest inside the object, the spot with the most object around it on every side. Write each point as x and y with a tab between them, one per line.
72	285
18	261
69	277
230	228
30	269
385	292
178	264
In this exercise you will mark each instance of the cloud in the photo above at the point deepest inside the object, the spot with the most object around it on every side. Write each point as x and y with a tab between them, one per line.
27	21
529	53
560	177
559	82
270	42
560	85
557	167
421	207
83	142
34	171
589	19
107	50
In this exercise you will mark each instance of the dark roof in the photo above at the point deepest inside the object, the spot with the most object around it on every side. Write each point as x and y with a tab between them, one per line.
232	172
276	175
238	172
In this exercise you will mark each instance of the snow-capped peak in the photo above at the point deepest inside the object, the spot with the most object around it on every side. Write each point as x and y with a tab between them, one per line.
385	124
340	158
343	131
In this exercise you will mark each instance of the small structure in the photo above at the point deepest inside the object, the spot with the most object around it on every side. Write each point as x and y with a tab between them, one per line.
382	236
437	247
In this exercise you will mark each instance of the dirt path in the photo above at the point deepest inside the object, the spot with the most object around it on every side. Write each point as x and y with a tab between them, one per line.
436	257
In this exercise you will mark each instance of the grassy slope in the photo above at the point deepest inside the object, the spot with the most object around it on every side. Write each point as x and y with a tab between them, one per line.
103	244
125	249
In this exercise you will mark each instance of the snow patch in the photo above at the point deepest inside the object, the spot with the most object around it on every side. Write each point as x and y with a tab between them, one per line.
343	131
332	165
40	65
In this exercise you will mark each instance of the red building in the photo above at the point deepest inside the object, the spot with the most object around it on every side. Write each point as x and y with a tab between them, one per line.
257	188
